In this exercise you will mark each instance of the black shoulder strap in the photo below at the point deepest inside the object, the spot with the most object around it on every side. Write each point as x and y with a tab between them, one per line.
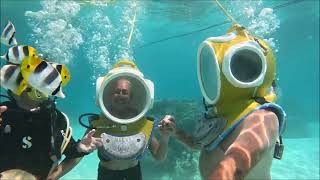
54	150
261	100
150	118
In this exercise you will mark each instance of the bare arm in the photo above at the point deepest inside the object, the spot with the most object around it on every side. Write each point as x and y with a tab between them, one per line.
168	124
185	139
166	129
159	148
258	134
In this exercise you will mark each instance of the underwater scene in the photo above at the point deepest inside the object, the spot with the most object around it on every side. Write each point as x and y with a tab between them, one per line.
162	38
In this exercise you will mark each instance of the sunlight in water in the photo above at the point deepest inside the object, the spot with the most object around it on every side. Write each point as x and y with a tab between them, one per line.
258	19
106	42
57	34
98	42
53	34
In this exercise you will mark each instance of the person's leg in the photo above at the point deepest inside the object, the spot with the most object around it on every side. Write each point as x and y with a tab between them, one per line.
107	174
133	173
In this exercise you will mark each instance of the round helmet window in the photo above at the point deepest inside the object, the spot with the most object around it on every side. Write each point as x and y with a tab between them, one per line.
246	65
209	73
125	97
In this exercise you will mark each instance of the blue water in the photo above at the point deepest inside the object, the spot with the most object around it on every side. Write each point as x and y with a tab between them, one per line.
90	38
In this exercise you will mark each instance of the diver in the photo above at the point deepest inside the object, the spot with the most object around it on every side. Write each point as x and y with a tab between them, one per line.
124	97
34	134
240	132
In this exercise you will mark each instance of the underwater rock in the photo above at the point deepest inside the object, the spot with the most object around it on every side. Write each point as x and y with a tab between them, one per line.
301	122
186	112
179	158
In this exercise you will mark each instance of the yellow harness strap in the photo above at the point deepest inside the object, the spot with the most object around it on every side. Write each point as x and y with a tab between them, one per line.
104	125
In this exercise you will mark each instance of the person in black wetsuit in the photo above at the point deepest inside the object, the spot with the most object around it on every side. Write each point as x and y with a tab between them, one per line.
32	132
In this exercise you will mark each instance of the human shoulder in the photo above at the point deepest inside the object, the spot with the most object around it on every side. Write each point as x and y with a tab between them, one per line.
263	112
264	117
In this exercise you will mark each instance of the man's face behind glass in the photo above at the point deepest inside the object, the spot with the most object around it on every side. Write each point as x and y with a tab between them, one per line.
122	92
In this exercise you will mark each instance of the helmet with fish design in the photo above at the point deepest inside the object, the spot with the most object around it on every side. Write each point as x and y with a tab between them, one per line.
42	76
16	54
8	35
27	71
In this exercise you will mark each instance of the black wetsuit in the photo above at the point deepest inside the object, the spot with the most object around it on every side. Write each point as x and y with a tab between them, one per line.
133	173
25	140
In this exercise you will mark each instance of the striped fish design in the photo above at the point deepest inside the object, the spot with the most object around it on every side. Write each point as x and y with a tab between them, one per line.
11	78
42	76
8	35
16	54
63	71
61	68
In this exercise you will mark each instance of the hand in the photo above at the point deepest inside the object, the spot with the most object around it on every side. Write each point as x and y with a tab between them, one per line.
89	143
2	109
167	126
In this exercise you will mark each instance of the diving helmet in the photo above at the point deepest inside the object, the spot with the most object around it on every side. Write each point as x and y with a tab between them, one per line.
233	70
141	93
35	95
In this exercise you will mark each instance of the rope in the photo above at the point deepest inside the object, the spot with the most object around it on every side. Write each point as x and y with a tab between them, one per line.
287	4
185	34
226	13
132	27
213	26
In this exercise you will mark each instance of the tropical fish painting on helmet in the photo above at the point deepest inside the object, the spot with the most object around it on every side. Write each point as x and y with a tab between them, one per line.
63	71
11	79
16	54
42	76
8	35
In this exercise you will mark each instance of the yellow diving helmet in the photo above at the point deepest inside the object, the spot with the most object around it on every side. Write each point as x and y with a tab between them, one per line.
130	130
233	71
142	98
